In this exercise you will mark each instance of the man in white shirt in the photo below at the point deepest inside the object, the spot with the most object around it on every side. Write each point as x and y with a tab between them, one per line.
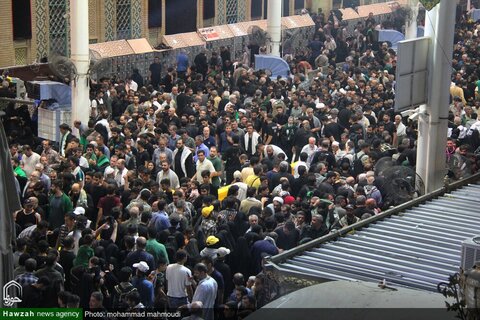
29	160
310	149
203	164
131	85
301	162
206	291
167	173
401	129
121	172
242	186
179	282
113	166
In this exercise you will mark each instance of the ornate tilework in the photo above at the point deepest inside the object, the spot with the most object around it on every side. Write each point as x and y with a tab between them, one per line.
110	14
67	22
92	18
41	28
221	12
20	56
136	19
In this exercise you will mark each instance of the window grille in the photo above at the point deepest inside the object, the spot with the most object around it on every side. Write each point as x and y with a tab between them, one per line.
232	11
58	27
124	29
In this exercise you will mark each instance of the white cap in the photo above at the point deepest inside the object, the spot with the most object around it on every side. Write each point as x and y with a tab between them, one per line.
109	170
222	251
342	91
279	199
237	175
79	211
142	266
320	105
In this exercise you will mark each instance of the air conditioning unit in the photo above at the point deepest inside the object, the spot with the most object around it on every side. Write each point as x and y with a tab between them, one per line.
470	252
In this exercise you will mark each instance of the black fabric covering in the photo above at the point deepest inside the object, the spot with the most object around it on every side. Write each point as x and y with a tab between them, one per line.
286	8
299	4
208	9
256	9
154	13
181	16
22	20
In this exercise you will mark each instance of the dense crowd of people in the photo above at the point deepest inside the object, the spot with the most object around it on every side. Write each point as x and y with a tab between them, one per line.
182	182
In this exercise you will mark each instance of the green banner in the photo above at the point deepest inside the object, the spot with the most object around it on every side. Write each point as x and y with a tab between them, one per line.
44	313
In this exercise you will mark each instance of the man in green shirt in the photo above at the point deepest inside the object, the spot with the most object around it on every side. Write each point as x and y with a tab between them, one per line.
217	164
155	248
17	170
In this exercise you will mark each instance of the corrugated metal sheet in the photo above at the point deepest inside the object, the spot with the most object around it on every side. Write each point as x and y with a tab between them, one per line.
417	248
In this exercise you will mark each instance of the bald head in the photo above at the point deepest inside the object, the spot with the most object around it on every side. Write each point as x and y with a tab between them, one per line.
75	187
134	212
141	243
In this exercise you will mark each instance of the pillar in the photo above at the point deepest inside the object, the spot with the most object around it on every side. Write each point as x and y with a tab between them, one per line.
80	57
274	26
411	23
433	124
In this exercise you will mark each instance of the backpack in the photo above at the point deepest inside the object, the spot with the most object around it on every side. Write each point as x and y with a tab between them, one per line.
357	165
122	292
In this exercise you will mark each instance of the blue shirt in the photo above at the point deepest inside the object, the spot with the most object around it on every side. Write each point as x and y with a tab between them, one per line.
224	144
210	142
160	221
145	289
182	62
202	147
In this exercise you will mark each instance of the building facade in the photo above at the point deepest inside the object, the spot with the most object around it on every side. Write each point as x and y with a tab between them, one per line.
37	29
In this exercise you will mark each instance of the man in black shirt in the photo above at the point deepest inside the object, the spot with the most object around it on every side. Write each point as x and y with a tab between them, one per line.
288	236
155	73
33	295
316	229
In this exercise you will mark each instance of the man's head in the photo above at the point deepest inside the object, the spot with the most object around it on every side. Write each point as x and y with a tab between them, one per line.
179	143
253	220
317	221
201	155
96	300
200	271
213	152
181	256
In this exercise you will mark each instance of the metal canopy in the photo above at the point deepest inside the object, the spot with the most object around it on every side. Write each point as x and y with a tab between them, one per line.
416	248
